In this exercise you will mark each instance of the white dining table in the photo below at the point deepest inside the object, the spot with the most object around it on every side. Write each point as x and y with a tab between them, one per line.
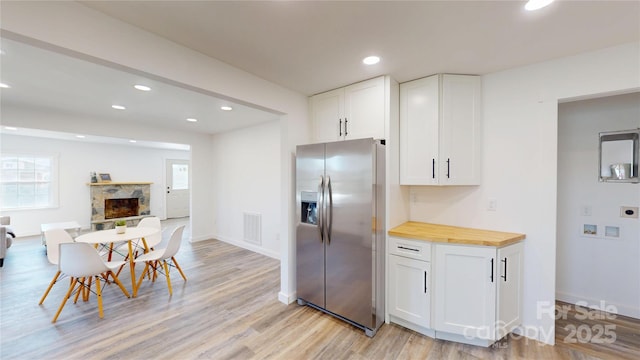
111	237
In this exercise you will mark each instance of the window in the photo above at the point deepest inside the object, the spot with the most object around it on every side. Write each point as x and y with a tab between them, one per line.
28	181
180	173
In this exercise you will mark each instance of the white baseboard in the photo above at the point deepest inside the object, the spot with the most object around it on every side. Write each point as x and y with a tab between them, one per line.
286	299
201	238
622	309
242	244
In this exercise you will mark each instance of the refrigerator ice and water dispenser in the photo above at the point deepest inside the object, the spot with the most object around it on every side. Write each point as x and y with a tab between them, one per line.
309	207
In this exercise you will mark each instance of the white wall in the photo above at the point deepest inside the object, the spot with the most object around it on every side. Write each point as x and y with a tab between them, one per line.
520	163
595	269
76	159
248	180
73	28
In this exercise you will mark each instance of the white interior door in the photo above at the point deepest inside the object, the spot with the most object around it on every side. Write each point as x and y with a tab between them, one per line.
177	188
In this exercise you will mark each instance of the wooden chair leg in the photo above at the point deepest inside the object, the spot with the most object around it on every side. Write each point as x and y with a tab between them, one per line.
166	273
87	289
135	289
66	297
80	290
110	252
117	281
99	295
178	267
55	279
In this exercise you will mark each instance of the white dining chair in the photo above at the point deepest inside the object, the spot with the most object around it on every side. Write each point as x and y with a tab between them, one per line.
150	241
152	222
53	238
81	261
162	260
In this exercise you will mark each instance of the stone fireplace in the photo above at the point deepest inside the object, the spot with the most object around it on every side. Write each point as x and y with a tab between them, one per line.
115	201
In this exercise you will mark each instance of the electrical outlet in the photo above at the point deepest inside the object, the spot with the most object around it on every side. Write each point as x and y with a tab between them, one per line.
492	205
629	212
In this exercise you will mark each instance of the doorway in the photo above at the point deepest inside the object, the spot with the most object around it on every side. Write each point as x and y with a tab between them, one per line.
178	190
597	245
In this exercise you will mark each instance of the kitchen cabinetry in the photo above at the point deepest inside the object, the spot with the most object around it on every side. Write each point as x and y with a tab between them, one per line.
476	296
353	112
410	284
478	291
440	130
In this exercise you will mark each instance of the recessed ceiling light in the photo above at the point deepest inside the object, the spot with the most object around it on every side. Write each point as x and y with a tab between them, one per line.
142	87
226	108
192	120
118	107
10	128
532	5
132	141
80	136
4	86
371	60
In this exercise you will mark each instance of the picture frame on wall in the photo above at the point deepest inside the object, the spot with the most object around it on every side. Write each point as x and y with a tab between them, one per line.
104	178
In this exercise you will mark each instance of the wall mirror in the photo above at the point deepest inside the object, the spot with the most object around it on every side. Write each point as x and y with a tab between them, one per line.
619	153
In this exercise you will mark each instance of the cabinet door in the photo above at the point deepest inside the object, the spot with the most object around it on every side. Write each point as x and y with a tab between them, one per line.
327	115
460	132
364	110
465	290
509	307
409	290
419	109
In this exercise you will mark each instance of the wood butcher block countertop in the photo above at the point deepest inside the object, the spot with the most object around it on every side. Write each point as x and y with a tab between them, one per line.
454	234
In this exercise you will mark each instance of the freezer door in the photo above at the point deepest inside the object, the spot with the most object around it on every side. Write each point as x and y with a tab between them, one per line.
309	242
350	214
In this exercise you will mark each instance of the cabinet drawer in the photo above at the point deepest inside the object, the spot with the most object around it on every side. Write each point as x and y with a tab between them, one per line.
414	249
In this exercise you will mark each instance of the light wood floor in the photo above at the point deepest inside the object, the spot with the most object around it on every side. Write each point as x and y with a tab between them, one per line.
228	309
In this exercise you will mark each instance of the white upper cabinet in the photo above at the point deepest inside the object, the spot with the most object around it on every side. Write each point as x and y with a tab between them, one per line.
440	130
353	112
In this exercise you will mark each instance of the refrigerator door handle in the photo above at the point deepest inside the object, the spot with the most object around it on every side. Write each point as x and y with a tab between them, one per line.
329	212
319	207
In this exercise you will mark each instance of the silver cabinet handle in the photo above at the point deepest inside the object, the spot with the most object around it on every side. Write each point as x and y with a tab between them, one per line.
340	127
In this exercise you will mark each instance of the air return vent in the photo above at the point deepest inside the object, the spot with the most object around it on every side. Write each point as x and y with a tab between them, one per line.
253	228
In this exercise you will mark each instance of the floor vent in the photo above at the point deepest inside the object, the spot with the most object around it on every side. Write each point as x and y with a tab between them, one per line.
253	228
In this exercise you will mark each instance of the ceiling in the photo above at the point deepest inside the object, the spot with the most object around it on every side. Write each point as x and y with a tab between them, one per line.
309	47
314	46
53	82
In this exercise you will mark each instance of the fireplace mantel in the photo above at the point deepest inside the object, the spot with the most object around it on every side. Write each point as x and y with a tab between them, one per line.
120	183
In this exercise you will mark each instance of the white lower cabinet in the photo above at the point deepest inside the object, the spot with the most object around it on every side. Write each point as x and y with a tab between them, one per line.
409	296
409	289
476	296
478	292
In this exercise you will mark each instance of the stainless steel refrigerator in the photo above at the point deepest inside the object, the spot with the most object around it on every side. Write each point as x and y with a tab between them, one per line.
340	232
